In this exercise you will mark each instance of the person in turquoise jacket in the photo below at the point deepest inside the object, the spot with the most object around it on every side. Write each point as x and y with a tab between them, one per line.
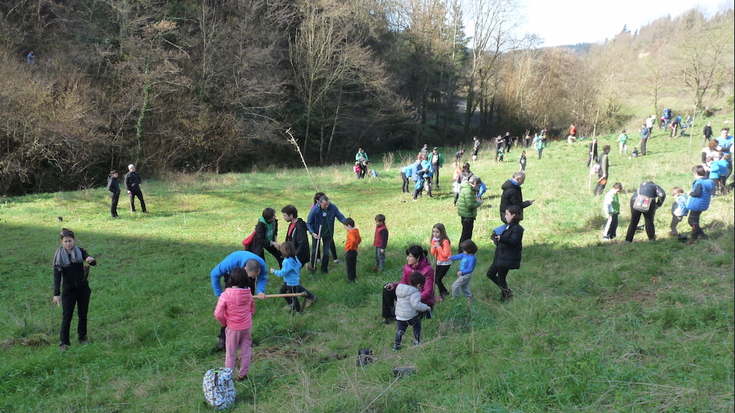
699	200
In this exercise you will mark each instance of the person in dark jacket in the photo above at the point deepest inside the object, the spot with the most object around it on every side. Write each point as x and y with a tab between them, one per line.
132	186
512	195
509	244
266	234
297	233
602	174
114	187
707	134
654	197
592	152
69	272
320	223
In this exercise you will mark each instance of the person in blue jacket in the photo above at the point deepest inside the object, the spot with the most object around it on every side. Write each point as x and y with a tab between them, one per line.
320	223
406	173
257	272
699	200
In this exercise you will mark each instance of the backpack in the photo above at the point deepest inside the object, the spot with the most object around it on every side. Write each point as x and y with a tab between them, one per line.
248	242
642	203
219	388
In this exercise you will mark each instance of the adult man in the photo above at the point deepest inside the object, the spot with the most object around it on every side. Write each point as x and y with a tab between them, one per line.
257	275
645	134
592	152
512	194
437	161
647	198
458	155
475	147
707	134
467	205
132	186
320	223
602	174
297	233
507	141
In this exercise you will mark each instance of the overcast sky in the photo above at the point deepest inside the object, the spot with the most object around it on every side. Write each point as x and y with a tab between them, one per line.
567	22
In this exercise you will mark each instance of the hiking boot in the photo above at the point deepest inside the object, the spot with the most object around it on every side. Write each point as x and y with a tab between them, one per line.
308	302
507	293
241	378
396	347
63	348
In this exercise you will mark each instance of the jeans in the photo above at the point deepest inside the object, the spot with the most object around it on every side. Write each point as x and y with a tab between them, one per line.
327	245
379	259
468	225
403	326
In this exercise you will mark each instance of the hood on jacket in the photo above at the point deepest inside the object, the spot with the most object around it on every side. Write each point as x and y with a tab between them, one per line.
509	184
404	290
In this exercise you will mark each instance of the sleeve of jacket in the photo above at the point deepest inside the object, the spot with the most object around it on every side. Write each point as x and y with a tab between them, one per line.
260	242
427	292
219	312
302	239
696	191
417	304
660	195
338	214
127	182
311	220
384	238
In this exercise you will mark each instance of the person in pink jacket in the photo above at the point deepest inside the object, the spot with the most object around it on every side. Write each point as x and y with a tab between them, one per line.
415	261
234	311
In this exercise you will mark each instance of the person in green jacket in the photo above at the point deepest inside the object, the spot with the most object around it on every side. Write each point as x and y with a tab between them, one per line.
437	161
467	205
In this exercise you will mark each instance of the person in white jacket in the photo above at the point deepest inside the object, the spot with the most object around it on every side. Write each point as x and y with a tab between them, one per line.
408	307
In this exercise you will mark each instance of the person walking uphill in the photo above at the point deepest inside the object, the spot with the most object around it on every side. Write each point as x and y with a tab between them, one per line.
602	174
320	223
69	272
512	195
132	186
509	244
467	205
114	187
646	199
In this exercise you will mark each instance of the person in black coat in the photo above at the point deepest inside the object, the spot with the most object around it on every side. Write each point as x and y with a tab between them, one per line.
70	273
266	234
509	244
297	232
654	197
592	152
132	186
114	187
512	195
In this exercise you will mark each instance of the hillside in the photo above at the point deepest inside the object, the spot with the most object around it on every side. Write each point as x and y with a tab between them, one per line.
593	327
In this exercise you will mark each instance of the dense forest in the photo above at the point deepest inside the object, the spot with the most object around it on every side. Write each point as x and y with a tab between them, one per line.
225	85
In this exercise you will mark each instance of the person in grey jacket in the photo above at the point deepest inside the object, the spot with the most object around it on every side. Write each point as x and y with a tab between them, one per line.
408	307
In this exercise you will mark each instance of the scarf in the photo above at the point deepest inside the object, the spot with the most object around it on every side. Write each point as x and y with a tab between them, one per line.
61	257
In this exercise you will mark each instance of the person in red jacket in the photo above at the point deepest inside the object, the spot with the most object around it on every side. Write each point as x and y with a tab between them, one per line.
415	261
380	242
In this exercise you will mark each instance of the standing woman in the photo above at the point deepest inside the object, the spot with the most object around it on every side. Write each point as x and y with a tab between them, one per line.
442	251
415	261
509	244
69	271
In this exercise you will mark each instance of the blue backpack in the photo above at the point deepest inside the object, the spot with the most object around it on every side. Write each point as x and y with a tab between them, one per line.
219	388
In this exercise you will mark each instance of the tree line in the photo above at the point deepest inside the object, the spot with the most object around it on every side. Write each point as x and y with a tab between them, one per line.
221	85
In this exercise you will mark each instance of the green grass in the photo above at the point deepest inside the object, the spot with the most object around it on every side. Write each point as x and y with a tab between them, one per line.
639	327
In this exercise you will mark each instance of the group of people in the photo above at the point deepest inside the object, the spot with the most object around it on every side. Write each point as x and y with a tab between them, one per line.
132	187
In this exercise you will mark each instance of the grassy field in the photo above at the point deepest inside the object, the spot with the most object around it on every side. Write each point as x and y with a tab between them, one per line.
594	327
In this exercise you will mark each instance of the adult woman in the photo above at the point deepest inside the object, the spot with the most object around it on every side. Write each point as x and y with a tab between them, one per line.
509	244
69	272
415	261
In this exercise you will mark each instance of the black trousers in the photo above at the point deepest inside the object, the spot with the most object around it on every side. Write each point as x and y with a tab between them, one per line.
114	199
327	243
436	175
635	218
441	271
405	189
274	252
498	276
294	301
351	264
133	193
468	225
389	303
693	221
70	298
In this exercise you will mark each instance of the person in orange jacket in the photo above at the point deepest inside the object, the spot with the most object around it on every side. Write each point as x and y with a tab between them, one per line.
353	240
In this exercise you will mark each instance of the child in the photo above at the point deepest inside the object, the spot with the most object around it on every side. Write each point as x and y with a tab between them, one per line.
466	268
406	173
380	242
456	181
351	243
114	187
499	155
699	200
634	153
290	268
678	208
441	250
522	161
408	307
509	245
611	209
357	170
69	271
235	309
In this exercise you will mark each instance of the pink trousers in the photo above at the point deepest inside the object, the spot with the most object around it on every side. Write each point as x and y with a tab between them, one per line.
238	339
